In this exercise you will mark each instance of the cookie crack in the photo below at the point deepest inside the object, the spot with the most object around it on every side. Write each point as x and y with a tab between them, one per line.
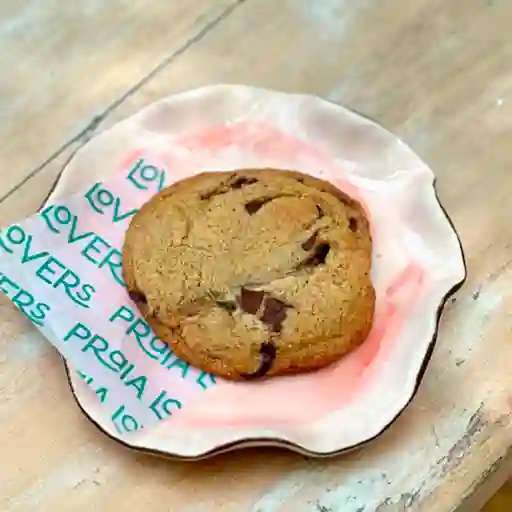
234	182
217	191
254	205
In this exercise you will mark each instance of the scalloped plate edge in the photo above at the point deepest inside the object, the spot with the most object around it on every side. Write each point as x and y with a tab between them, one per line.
274	441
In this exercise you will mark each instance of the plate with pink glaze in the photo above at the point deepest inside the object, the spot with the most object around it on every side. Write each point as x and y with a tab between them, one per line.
417	263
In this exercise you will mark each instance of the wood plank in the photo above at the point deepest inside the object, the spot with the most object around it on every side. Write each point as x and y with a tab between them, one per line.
435	73
63	65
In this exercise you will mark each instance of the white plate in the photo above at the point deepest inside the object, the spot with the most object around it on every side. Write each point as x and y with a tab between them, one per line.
418	263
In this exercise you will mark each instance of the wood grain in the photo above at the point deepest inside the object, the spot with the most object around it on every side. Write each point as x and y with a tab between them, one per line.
436	73
52	52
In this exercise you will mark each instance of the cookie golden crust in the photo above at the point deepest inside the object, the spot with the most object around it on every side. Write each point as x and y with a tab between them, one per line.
252	273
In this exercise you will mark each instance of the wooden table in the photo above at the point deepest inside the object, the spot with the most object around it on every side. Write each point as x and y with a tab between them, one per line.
437	73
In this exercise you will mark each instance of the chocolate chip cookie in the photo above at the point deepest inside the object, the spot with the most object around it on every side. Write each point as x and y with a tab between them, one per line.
252	273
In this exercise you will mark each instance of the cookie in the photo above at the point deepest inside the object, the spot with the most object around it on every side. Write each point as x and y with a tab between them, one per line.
252	273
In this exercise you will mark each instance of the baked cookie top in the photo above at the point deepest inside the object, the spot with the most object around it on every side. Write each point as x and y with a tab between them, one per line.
252	272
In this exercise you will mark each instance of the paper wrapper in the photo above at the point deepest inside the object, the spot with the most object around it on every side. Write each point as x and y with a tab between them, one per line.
62	269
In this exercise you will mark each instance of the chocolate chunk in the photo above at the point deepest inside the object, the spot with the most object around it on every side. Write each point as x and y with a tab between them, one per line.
240	182
319	256
250	300
310	242
352	224
217	191
137	296
268	353
342	197
208	195
224	188
274	313
227	305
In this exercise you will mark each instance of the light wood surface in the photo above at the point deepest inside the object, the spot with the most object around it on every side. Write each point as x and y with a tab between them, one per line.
435	72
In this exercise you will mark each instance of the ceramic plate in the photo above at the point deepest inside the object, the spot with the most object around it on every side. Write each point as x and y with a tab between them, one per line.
417	264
